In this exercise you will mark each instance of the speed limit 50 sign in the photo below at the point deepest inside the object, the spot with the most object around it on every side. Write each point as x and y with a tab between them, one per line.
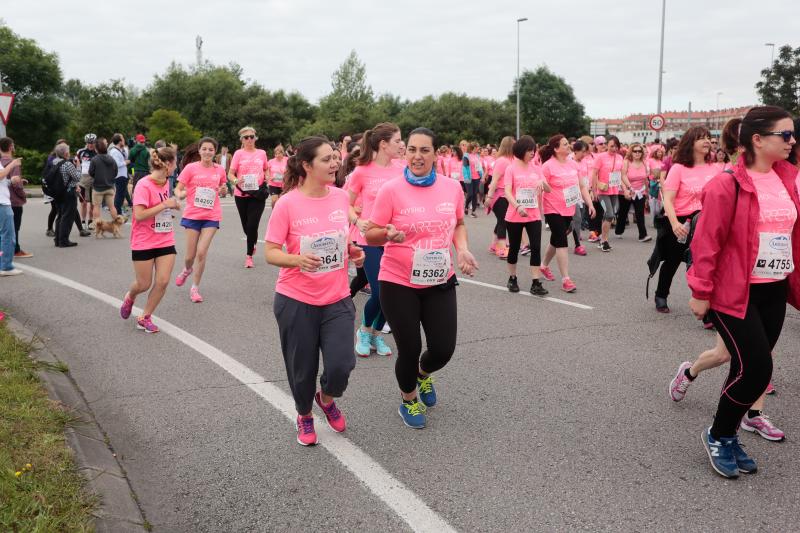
657	122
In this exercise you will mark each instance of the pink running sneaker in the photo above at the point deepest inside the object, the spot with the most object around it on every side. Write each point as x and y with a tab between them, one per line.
502	253
126	308
194	294
144	323
492	249
679	384
333	415
770	389
567	285
181	278
305	430
248	262
580	250
547	273
763	426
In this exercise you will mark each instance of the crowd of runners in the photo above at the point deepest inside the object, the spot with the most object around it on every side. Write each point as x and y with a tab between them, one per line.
390	207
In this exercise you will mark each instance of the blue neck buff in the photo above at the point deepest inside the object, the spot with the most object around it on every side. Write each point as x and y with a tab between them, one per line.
420	181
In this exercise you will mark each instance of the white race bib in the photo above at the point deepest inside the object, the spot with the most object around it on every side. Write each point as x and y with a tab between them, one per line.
250	182
278	177
204	197
330	247
163	223
615	179
85	167
528	198
774	259
430	267
456	175
572	195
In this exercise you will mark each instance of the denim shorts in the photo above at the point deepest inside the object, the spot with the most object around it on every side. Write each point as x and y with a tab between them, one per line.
198	225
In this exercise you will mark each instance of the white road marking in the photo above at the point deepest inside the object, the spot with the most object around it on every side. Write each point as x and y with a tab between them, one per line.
259	240
523	293
408	506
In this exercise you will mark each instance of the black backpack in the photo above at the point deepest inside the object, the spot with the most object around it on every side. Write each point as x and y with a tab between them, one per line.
52	180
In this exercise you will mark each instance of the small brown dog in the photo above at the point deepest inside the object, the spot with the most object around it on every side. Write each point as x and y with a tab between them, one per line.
113	226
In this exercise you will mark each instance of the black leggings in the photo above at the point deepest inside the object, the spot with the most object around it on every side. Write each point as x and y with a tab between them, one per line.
358	282
750	341
51	218
534	229
673	254
250	211
499	209
622	216
596	223
472	194
435	309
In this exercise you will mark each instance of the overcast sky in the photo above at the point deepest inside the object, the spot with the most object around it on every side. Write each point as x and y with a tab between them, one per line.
607	51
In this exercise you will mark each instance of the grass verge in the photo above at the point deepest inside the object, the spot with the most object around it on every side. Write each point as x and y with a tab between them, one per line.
40	489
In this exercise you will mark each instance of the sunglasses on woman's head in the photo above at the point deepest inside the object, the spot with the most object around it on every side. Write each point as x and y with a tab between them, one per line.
785	134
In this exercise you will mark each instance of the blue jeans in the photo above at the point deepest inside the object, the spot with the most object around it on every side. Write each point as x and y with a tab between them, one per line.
7	240
121	194
373	316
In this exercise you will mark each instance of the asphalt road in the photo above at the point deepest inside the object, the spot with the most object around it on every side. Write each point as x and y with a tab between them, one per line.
551	417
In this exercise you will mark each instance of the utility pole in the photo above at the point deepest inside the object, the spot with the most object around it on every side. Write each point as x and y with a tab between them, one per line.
518	21
661	55
2	124
199	45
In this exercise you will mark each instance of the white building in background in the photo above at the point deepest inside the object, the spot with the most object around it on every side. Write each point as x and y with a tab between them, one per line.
634	128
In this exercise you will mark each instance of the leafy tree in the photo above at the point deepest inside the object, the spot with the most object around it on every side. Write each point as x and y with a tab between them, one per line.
102	109
34	76
548	106
172	127
780	84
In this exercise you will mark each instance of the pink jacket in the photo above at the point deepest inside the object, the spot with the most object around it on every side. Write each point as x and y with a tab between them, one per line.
724	247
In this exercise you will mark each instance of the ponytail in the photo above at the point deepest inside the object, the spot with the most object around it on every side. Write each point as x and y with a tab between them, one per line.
549	150
294	172
371	141
306	152
730	136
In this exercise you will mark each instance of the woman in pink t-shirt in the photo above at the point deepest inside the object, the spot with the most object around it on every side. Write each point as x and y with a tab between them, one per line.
606	180
200	183
152	238
522	188
566	190
418	219
379	146
307	238
682	195
496	200
655	164
722	160
248	173
635	182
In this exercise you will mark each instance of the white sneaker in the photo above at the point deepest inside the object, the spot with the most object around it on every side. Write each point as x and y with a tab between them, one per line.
12	272
386	329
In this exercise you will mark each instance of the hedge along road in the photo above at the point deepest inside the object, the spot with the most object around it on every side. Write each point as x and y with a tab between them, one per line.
551	416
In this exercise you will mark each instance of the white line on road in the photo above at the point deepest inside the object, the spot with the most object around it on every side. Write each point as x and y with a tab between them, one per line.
504	289
390	490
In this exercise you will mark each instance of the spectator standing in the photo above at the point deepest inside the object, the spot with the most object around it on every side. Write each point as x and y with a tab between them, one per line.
68	203
139	157
117	152
84	158
7	219
16	190
103	170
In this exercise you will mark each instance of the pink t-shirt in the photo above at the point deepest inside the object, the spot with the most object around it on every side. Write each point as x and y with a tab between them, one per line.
777	213
637	176
561	177
606	164
320	226
427	215
500	166
365	183
689	183
399	163
155	232
202	189
454	169
488	165
246	163
276	171
523	177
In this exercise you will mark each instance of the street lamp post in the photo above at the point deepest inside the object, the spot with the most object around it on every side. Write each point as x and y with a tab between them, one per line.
719	93
661	54
518	21
772	55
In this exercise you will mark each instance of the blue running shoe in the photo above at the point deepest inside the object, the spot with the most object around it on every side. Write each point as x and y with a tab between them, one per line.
744	462
426	391
720	453
413	413
363	343
380	346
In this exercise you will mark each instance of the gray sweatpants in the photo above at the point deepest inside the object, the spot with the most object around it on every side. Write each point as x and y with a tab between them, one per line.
305	330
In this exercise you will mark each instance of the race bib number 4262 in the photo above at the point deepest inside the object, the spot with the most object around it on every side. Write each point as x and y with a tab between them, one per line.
205	197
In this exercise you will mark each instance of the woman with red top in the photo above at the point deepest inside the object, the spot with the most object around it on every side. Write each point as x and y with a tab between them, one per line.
634	186
742	276
606	180
152	238
682	194
496	198
307	237
248	172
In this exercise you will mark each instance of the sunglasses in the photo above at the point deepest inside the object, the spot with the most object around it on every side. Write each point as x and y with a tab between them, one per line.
248	137
600	144
637	151
785	134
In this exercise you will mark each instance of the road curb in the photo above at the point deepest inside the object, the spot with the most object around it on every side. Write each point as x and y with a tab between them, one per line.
118	510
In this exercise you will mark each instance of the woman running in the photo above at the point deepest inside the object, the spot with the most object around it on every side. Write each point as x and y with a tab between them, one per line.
523	186
496	197
655	164
248	172
682	190
200	183
152	238
374	168
277	169
418	219
581	156
307	238
634	186
607	179
560	199
749	225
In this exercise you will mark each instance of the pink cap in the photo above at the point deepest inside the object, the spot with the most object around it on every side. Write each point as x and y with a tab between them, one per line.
599	140
140	138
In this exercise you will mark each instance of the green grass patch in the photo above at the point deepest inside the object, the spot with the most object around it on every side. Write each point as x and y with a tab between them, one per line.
40	489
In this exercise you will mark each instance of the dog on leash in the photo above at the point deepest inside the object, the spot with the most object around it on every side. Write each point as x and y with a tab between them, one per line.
112	226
